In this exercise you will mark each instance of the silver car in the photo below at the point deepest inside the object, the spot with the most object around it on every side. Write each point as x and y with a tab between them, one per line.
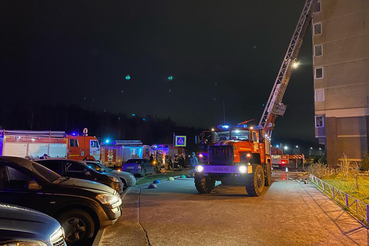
127	178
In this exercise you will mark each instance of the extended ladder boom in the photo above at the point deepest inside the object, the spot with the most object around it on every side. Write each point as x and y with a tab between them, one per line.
274	106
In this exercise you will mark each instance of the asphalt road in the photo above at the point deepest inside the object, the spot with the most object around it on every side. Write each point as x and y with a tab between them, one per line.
288	213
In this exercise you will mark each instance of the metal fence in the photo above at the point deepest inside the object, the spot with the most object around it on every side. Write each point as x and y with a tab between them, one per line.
355	206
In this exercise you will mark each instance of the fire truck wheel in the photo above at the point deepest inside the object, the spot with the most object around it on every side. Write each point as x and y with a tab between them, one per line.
268	174
204	184
255	181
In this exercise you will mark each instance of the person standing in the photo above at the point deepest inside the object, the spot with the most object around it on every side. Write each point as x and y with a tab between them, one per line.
194	162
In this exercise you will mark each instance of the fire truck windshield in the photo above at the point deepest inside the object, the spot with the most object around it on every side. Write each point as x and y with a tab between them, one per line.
242	135
221	136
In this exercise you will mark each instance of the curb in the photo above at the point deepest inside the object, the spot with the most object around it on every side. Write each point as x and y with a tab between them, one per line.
98	237
100	233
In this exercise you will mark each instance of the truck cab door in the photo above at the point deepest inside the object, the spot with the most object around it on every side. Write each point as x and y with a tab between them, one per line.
255	139
73	149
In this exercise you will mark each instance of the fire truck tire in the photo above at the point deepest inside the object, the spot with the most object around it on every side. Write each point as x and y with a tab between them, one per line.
255	181
268	174
204	184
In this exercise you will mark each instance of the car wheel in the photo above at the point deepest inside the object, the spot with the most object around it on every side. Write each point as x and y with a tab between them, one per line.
78	226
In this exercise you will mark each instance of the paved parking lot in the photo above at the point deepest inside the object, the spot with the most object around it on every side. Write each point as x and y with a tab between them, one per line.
288	213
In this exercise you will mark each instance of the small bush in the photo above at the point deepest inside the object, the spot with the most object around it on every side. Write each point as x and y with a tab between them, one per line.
320	170
365	162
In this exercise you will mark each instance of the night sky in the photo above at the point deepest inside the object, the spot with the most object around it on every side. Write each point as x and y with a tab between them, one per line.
79	52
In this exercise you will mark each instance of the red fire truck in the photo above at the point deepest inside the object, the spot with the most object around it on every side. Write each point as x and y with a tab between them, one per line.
53	144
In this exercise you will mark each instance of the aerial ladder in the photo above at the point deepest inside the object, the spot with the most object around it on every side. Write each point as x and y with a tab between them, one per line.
240	155
274	106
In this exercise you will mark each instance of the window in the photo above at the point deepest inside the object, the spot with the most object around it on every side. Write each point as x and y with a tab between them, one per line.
243	135
3	177
73	143
319	121
318	29
318	50
94	144
319	74
52	165
17	179
318	7
319	95
75	168
221	136
254	137
14	174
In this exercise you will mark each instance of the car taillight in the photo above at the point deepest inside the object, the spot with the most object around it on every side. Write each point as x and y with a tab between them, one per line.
139	167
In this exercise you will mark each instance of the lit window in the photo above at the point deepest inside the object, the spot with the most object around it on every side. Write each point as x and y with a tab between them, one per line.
319	121
318	29
319	95
319	74
318	50
318	7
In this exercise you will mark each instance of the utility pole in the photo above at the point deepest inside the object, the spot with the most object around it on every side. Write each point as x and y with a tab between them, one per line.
224	112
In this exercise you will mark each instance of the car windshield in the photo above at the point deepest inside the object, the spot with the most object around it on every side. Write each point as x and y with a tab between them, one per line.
46	173
99	167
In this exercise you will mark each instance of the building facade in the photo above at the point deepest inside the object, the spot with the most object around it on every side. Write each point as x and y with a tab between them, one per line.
341	77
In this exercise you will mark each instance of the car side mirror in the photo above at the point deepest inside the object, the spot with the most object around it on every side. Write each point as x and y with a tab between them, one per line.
88	173
33	185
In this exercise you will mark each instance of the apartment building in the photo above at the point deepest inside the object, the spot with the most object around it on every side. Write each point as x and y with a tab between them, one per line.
341	77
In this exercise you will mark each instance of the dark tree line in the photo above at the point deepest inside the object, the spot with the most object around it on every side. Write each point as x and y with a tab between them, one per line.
149	129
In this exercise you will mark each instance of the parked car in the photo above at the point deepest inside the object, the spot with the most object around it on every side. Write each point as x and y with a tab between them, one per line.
77	169
20	225
81	206
127	178
139	167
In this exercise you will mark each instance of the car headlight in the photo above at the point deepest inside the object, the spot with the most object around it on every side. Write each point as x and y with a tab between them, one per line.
57	235
107	199
199	169
113	178
242	169
23	243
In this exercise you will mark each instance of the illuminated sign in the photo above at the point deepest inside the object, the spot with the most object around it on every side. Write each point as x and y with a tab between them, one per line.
180	141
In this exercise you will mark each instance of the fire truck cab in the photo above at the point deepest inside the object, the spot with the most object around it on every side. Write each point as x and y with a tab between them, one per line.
83	148
237	156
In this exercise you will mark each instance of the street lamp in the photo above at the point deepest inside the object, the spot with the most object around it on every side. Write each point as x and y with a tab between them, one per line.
285	148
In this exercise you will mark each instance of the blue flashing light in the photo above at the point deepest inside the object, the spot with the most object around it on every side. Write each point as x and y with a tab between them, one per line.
128	77
223	126
133	115
277	145
74	134
243	126
144	119
170	78
107	141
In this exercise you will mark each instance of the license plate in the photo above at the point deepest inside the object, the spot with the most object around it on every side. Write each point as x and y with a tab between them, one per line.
220	169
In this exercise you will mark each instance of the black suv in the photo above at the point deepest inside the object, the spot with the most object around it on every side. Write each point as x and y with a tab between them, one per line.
80	170
81	206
